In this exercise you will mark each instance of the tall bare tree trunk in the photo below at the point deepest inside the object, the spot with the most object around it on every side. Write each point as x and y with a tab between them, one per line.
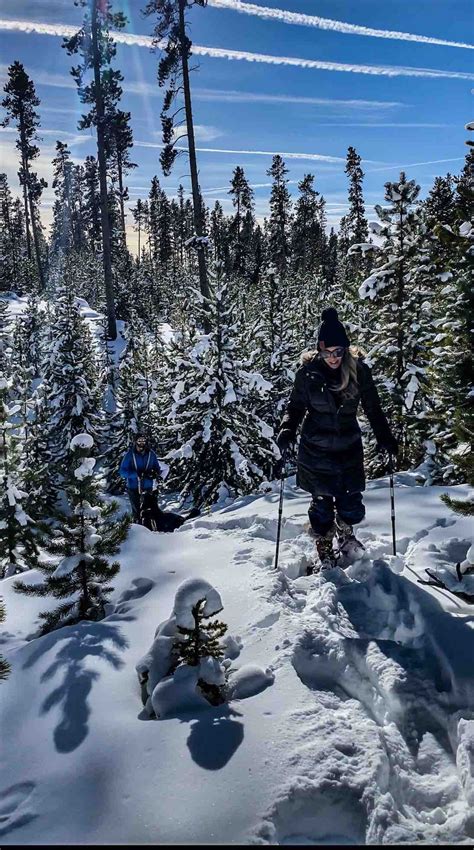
101	159
197	211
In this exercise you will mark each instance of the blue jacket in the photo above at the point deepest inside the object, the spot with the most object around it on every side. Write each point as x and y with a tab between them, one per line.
144	464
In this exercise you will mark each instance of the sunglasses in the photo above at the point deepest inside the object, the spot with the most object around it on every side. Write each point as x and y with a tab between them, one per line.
338	352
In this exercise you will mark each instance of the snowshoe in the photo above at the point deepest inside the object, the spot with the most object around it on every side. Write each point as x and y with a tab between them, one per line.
326	557
349	549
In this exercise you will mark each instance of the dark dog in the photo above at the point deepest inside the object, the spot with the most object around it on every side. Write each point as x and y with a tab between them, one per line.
155	519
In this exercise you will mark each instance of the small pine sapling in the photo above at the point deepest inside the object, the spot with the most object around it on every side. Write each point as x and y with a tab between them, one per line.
202	642
85	541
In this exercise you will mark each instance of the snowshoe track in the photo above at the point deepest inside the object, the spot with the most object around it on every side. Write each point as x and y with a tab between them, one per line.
369	656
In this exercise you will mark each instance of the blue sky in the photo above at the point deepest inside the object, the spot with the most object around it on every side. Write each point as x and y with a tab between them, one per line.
409	121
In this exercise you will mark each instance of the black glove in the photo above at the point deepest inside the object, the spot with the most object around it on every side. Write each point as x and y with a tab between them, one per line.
284	438
278	468
388	444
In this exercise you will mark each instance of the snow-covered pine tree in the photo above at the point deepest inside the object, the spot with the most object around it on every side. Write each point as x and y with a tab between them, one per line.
6	337
394	304
358	256
37	478
134	394
85	540
32	333
18	535
451	362
198	640
186	661
225	445
277	336
71	376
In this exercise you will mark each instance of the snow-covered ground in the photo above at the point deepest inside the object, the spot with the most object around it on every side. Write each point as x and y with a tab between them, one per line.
366	734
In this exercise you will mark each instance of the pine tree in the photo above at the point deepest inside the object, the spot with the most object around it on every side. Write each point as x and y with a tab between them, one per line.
62	232
14	271
20	103
97	49
394	312
92	203
201	643
139	213
32	332
18	539
451	362
85	541
306	232
241	224
224	444
279	347
135	393
280	217
219	235
173	70
119	143
71	375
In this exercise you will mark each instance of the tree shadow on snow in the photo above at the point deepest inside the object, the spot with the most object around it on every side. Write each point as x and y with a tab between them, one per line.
434	648
79	642
214	737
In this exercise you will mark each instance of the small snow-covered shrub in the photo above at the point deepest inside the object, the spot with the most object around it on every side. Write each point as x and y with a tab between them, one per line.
186	666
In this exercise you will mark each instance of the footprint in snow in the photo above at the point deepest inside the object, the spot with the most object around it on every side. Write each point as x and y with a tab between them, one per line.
267	621
140	587
242	555
317	816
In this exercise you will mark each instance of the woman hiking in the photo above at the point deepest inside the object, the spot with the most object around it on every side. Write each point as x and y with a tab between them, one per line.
329	385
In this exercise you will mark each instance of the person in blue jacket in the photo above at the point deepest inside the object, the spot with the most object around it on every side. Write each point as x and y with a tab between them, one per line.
139	467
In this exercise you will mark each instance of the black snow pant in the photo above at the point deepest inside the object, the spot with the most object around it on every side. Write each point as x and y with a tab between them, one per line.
349	507
134	497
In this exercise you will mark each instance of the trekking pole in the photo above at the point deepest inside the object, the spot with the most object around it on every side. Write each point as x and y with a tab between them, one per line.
280	506
392	502
140	500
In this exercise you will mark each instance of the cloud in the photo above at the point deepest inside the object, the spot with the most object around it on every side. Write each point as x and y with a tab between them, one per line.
283	16
246	56
261	97
202	132
70	139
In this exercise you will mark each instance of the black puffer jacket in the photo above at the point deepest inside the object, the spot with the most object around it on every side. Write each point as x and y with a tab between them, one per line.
330	456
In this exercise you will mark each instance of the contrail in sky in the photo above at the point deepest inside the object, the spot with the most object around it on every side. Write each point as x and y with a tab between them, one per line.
313	156
286	17
225	53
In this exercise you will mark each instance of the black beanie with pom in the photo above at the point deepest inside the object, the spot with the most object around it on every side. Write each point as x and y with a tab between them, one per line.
332	331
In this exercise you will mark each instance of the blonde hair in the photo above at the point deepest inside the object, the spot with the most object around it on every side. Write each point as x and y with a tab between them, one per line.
349	383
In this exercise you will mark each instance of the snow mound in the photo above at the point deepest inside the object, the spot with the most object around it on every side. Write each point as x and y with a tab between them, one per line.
189	593
82	441
178	694
249	680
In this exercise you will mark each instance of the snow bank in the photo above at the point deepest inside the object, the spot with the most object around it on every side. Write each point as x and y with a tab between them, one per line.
364	737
